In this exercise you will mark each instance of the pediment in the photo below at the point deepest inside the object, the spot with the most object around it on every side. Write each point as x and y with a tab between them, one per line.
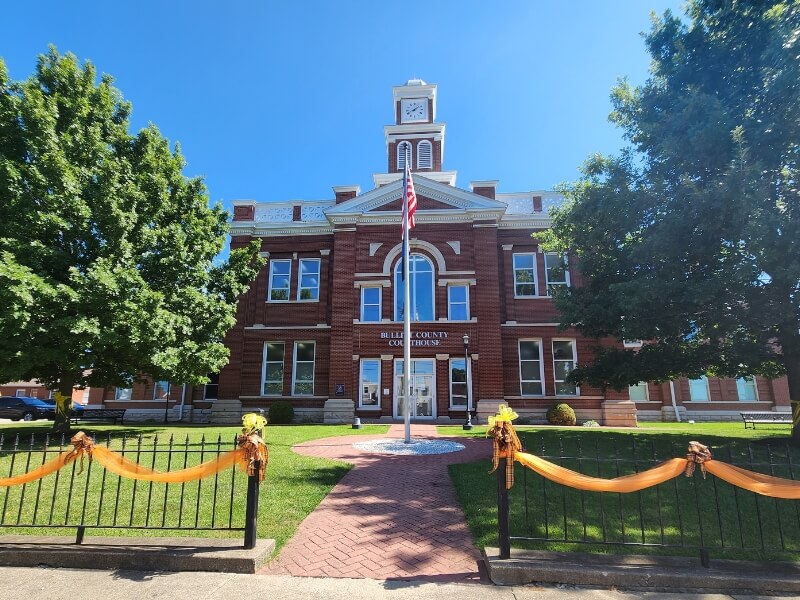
431	196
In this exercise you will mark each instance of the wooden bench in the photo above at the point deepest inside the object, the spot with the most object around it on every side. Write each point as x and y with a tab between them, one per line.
100	414
765	417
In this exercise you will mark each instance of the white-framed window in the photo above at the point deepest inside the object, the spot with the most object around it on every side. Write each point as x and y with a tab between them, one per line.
20	394
211	389
371	304
123	394
161	390
564	359
746	389
458	302
424	155
525	278
698	389
555	271
422	289
459	380
280	273
638	392
531	373
632	343
303	369
272	371
403	151
370	383
308	285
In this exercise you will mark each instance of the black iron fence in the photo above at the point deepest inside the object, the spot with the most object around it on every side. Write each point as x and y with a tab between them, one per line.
680	516
84	496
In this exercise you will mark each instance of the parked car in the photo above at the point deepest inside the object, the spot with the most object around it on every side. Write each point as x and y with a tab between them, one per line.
23	408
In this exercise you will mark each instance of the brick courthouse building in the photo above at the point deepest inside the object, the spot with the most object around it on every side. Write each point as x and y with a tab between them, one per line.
321	326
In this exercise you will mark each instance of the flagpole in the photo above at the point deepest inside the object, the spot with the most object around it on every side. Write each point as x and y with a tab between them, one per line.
406	308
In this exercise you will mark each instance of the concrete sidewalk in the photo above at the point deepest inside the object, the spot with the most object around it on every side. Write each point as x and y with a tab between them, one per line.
68	584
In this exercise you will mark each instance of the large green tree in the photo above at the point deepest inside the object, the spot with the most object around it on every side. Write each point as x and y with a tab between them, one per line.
690	238
106	249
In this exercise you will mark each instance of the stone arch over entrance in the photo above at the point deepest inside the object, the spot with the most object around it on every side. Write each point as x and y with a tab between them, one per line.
432	251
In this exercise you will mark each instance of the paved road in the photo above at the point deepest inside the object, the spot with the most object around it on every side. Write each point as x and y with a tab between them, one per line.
72	584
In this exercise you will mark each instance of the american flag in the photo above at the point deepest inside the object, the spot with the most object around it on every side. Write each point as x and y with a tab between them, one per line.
409	199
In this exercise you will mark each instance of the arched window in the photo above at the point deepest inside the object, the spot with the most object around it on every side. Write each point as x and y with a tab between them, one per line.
422	288
424	155
403	150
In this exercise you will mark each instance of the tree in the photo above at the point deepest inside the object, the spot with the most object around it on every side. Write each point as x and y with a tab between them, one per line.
690	238
106	249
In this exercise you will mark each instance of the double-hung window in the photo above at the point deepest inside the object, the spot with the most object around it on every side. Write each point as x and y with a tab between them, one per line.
524	275
370	383
211	390
303	372
530	367
458	383
280	273
564	360
272	372
371	304
698	389
161	390
458	302
638	392
308	286
746	389
555	271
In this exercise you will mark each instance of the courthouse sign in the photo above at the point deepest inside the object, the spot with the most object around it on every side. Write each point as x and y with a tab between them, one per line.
418	338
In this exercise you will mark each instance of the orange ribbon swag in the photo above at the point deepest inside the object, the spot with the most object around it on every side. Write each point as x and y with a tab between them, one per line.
251	450
507	445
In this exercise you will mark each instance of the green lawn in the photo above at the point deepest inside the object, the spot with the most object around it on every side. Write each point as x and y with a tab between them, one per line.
293	487
671	513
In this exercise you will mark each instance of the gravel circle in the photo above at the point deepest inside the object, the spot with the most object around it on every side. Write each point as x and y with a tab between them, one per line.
398	446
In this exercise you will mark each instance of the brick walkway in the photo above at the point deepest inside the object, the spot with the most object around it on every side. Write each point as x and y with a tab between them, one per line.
390	517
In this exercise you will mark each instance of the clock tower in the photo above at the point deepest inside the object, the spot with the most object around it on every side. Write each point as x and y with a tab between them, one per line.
415	135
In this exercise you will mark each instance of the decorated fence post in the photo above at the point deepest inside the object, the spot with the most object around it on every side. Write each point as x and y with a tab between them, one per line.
506	444
504	542
251	514
250	441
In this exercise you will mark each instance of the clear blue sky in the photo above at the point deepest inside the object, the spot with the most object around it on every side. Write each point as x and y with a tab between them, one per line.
282	100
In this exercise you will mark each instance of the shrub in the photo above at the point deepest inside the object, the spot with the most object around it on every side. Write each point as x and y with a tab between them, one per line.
280	413
561	414
591	423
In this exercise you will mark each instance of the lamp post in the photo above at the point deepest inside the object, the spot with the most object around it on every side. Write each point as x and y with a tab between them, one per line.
468	422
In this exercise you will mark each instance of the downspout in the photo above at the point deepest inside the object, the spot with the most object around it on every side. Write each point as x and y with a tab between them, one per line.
183	399
674	404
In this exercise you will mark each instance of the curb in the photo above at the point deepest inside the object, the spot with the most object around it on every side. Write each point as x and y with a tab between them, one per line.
137	554
651	573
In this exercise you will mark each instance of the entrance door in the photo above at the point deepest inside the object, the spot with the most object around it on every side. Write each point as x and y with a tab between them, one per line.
423	389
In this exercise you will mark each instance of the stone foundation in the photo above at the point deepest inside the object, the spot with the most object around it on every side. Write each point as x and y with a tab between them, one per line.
339	410
226	412
619	413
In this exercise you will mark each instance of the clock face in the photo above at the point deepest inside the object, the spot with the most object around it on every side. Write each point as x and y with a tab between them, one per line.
414	110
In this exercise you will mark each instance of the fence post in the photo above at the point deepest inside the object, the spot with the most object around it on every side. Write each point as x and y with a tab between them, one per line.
502	510
251	514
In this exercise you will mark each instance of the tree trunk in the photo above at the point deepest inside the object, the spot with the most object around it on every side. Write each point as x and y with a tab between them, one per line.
63	407
793	375
791	358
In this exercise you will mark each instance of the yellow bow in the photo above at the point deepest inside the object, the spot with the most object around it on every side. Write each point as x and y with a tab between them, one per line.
504	414
252	422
